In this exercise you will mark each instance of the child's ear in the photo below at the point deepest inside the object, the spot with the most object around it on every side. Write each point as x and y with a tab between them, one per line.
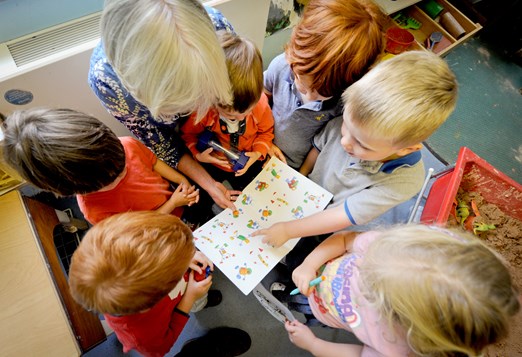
409	149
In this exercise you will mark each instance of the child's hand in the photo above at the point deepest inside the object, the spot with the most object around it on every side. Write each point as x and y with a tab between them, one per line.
192	194
275	151
184	195
200	262
206	156
253	156
275	235
302	275
197	289
300	335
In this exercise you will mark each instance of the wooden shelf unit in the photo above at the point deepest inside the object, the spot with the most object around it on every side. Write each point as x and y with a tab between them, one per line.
430	25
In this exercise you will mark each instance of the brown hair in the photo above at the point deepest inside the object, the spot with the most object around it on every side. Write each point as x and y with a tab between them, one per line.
245	70
62	150
130	261
335	43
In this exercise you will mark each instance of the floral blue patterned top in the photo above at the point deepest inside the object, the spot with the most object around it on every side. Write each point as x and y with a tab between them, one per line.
157	134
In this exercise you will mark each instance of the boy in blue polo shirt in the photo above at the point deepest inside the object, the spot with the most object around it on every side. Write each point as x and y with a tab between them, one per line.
369	158
333	45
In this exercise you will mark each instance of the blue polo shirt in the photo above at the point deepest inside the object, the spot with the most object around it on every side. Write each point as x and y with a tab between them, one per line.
295	123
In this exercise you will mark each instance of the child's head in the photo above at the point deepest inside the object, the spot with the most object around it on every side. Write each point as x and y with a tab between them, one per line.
62	150
130	261
400	102
447	290
245	70
334	44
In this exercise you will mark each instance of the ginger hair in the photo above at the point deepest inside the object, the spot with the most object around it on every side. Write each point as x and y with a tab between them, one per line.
336	42
130	261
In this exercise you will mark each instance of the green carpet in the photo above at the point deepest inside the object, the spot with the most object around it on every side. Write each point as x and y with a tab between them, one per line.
488	117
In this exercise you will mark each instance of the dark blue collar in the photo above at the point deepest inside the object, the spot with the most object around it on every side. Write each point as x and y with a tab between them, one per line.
408	160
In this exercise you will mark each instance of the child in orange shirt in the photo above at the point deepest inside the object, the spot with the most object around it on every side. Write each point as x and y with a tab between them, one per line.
247	125
71	153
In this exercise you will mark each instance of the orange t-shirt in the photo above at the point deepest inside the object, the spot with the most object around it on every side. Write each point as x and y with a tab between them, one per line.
141	189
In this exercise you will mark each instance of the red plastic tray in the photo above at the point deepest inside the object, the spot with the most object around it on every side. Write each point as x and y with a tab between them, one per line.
493	185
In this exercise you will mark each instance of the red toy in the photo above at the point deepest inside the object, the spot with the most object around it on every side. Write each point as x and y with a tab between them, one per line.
203	275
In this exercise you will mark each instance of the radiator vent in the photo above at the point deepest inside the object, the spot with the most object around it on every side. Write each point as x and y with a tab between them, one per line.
55	40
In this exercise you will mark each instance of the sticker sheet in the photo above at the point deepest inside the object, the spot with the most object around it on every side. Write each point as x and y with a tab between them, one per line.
278	193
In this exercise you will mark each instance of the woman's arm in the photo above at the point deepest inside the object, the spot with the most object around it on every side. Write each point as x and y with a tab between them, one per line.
219	193
169	173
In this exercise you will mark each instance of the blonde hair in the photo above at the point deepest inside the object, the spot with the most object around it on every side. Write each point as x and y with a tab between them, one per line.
130	261
403	99
245	70
335	43
166	54
451	293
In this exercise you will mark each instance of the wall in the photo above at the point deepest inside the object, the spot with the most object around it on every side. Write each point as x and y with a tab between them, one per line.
274	45
20	17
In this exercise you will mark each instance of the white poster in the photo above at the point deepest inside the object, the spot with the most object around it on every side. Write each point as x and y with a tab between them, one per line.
278	193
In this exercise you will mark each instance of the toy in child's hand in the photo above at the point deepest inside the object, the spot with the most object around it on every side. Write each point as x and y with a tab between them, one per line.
203	275
237	158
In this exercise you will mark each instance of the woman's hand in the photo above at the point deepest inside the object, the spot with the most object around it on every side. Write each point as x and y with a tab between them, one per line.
224	198
253	157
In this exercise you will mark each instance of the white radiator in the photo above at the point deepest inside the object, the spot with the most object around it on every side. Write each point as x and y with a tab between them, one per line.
52	65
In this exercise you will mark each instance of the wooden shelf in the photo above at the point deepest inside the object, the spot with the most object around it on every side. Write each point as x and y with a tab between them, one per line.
391	6
430	25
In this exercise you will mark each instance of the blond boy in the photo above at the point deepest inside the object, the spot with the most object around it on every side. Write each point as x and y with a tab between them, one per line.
369	158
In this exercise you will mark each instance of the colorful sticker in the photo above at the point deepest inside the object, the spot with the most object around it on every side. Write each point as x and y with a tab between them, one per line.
292	183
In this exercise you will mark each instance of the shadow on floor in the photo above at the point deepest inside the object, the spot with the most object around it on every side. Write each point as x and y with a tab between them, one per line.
488	116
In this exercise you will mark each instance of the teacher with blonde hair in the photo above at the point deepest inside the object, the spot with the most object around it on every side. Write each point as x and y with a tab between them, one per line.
157	62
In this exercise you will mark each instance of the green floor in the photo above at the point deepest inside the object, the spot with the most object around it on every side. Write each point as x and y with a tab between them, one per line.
488	117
